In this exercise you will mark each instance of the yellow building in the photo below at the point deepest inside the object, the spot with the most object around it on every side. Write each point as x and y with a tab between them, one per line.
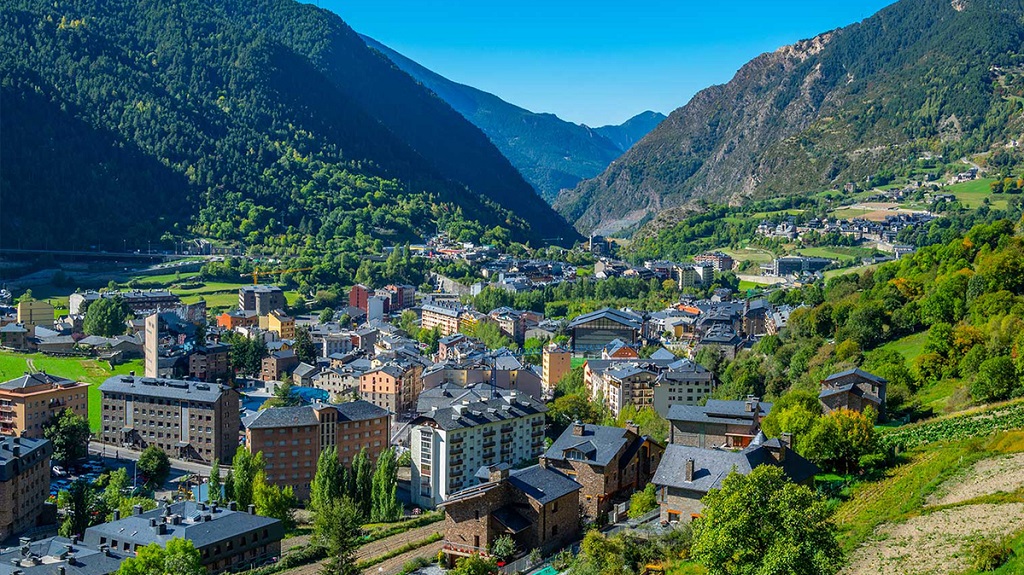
35	313
29	402
278	321
557	362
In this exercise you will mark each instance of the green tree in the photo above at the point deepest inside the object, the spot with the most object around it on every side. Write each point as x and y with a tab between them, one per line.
114	492
245	467
69	434
106	317
229	486
155	465
474	565
838	440
643	502
304	347
362	468
213	487
337	529
790	412
179	557
78	502
273	501
326	315
327	486
791	532
503	547
385	505
996	380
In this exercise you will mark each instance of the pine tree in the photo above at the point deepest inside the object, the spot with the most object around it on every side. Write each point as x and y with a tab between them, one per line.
213	492
362	467
327	486
384	498
229	486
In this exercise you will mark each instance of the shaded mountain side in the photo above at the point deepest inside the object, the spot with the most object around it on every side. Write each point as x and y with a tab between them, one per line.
261	118
920	75
632	130
549	152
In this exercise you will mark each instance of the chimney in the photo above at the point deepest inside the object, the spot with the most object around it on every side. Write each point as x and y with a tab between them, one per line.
631	426
577	428
252	509
62	570
16	450
497	475
202	506
132	373
786	439
689	469
136	510
232	506
117	514
152	521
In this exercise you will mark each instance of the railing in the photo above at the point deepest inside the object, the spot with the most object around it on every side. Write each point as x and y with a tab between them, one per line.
488	444
489	433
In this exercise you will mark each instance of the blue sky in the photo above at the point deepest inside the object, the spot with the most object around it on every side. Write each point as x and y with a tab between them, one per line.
595	62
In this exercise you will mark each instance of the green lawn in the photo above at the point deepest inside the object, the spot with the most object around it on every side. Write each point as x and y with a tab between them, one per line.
849	213
88	370
909	347
747	285
750	255
972	194
577	362
854	270
842	253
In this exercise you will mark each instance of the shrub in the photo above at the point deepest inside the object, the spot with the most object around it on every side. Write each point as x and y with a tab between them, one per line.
991	555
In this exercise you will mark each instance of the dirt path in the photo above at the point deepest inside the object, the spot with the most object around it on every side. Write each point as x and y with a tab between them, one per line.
378	548
394	565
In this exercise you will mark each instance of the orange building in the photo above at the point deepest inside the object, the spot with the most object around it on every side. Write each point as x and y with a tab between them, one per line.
29	402
235	319
393	387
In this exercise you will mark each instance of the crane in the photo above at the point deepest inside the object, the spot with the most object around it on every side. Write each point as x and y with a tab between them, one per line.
258	272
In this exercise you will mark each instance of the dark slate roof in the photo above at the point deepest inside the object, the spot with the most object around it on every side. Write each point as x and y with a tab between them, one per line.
274	417
10	466
542	484
502	405
662	353
36	379
600	443
849	388
224	524
510	518
305	369
858	372
711	466
88	560
716	411
625	318
165	388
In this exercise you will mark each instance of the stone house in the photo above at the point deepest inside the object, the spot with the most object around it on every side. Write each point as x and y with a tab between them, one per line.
537	506
686	474
854	389
609	462
728	424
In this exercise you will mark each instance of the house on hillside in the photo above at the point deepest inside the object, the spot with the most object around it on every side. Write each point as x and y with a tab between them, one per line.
609	462
686	474
854	389
728	424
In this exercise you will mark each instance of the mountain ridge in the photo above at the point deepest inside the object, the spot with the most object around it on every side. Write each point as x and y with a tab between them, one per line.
838	107
551	153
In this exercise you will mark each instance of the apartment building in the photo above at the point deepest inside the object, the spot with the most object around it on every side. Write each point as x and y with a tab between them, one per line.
261	298
34	313
443	317
393	386
280	323
292	438
29	402
185	419
451	444
24	483
210	362
228	540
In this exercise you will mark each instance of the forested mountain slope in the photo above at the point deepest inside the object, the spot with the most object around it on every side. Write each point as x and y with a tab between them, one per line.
920	75
263	122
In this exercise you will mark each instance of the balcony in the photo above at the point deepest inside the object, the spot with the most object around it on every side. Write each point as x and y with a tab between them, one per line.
506	439
507	429
488	444
456	441
488	455
489	433
456	451
537	433
457	461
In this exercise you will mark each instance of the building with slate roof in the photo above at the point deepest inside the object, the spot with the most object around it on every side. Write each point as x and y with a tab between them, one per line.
292	438
29	402
227	539
609	462
686	474
24	484
718	423
476	429
854	389
655	383
593	331
58	556
538	507
185	419
683	382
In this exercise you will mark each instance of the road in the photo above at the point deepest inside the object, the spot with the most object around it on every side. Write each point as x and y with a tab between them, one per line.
116	456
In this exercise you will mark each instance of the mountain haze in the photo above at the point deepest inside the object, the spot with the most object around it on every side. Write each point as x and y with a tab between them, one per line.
920	75
549	152
240	120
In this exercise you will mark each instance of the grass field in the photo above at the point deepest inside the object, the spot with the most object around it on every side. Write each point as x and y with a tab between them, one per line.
841	253
849	213
750	255
972	194
577	362
746	285
79	369
855	270
909	347
219	295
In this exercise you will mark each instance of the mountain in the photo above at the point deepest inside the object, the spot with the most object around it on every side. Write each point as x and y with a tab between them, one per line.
264	122
632	130
549	152
920	75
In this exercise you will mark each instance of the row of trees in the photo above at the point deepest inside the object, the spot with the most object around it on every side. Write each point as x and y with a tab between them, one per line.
373	488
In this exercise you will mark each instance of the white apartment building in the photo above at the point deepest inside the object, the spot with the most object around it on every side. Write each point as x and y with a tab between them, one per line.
451	444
